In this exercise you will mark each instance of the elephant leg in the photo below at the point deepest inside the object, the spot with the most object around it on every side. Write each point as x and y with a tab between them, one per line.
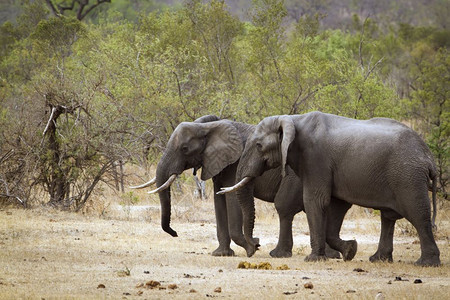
331	253
386	244
419	216
288	202
429	251
316	201
335	217
223	234
285	240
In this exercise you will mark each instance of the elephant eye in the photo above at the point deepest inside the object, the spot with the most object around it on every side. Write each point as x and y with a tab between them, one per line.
258	146
184	149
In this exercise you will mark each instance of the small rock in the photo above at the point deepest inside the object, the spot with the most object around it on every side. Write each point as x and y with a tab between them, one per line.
192	291
218	290
398	278
220	271
351	291
308	285
289	293
139	293
172	286
139	285
379	296
146	272
418	281
101	286
389	282
359	270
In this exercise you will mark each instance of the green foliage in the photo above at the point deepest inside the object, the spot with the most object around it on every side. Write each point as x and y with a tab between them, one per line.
57	34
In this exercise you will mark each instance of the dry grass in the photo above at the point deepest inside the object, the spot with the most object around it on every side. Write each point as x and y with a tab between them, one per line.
56	255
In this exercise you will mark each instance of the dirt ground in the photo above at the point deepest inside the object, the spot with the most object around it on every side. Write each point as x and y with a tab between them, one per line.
124	254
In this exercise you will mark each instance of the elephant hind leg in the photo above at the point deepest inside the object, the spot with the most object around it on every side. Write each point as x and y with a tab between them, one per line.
331	253
335	217
429	251
385	244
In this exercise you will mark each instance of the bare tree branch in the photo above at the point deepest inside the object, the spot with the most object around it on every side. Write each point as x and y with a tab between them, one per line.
52	7
83	7
49	120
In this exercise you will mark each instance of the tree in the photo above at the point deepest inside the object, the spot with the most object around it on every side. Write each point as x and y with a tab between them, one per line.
430	105
81	7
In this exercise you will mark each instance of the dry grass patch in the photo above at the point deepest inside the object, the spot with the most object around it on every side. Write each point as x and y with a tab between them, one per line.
57	255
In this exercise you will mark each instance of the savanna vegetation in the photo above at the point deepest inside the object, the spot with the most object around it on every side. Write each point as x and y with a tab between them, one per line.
86	92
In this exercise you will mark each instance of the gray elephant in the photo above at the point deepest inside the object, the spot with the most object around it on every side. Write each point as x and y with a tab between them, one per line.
377	163
216	146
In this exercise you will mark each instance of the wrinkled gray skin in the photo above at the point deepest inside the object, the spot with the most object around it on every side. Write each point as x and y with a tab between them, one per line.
377	163
216	148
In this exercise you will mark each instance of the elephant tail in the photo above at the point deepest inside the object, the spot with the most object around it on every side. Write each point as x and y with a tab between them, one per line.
433	177
434	188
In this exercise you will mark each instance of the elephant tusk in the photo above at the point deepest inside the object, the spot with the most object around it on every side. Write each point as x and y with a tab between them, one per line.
235	187
151	182
165	185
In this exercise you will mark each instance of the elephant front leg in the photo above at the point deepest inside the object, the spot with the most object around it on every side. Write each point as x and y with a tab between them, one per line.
385	245
223	234
316	216
285	240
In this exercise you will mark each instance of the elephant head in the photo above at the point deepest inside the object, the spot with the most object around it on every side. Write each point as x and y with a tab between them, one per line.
267	148
207	143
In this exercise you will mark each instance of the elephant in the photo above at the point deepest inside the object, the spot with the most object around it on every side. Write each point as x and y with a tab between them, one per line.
215	146
378	163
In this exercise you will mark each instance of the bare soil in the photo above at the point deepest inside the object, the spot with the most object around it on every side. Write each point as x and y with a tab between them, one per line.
124	254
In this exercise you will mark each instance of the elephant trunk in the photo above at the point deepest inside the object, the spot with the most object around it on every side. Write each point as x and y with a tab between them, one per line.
247	203
245	198
162	176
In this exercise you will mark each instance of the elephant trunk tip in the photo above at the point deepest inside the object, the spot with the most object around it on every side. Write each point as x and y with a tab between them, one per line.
170	231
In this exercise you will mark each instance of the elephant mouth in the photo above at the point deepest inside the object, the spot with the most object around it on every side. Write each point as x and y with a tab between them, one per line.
196	168
195	164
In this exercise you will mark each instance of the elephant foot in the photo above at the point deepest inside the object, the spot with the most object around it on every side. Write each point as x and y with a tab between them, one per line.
223	251
433	261
350	250
331	253
386	257
280	252
314	257
252	246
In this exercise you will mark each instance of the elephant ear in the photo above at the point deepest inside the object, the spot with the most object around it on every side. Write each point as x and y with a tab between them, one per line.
288	131
224	146
207	118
